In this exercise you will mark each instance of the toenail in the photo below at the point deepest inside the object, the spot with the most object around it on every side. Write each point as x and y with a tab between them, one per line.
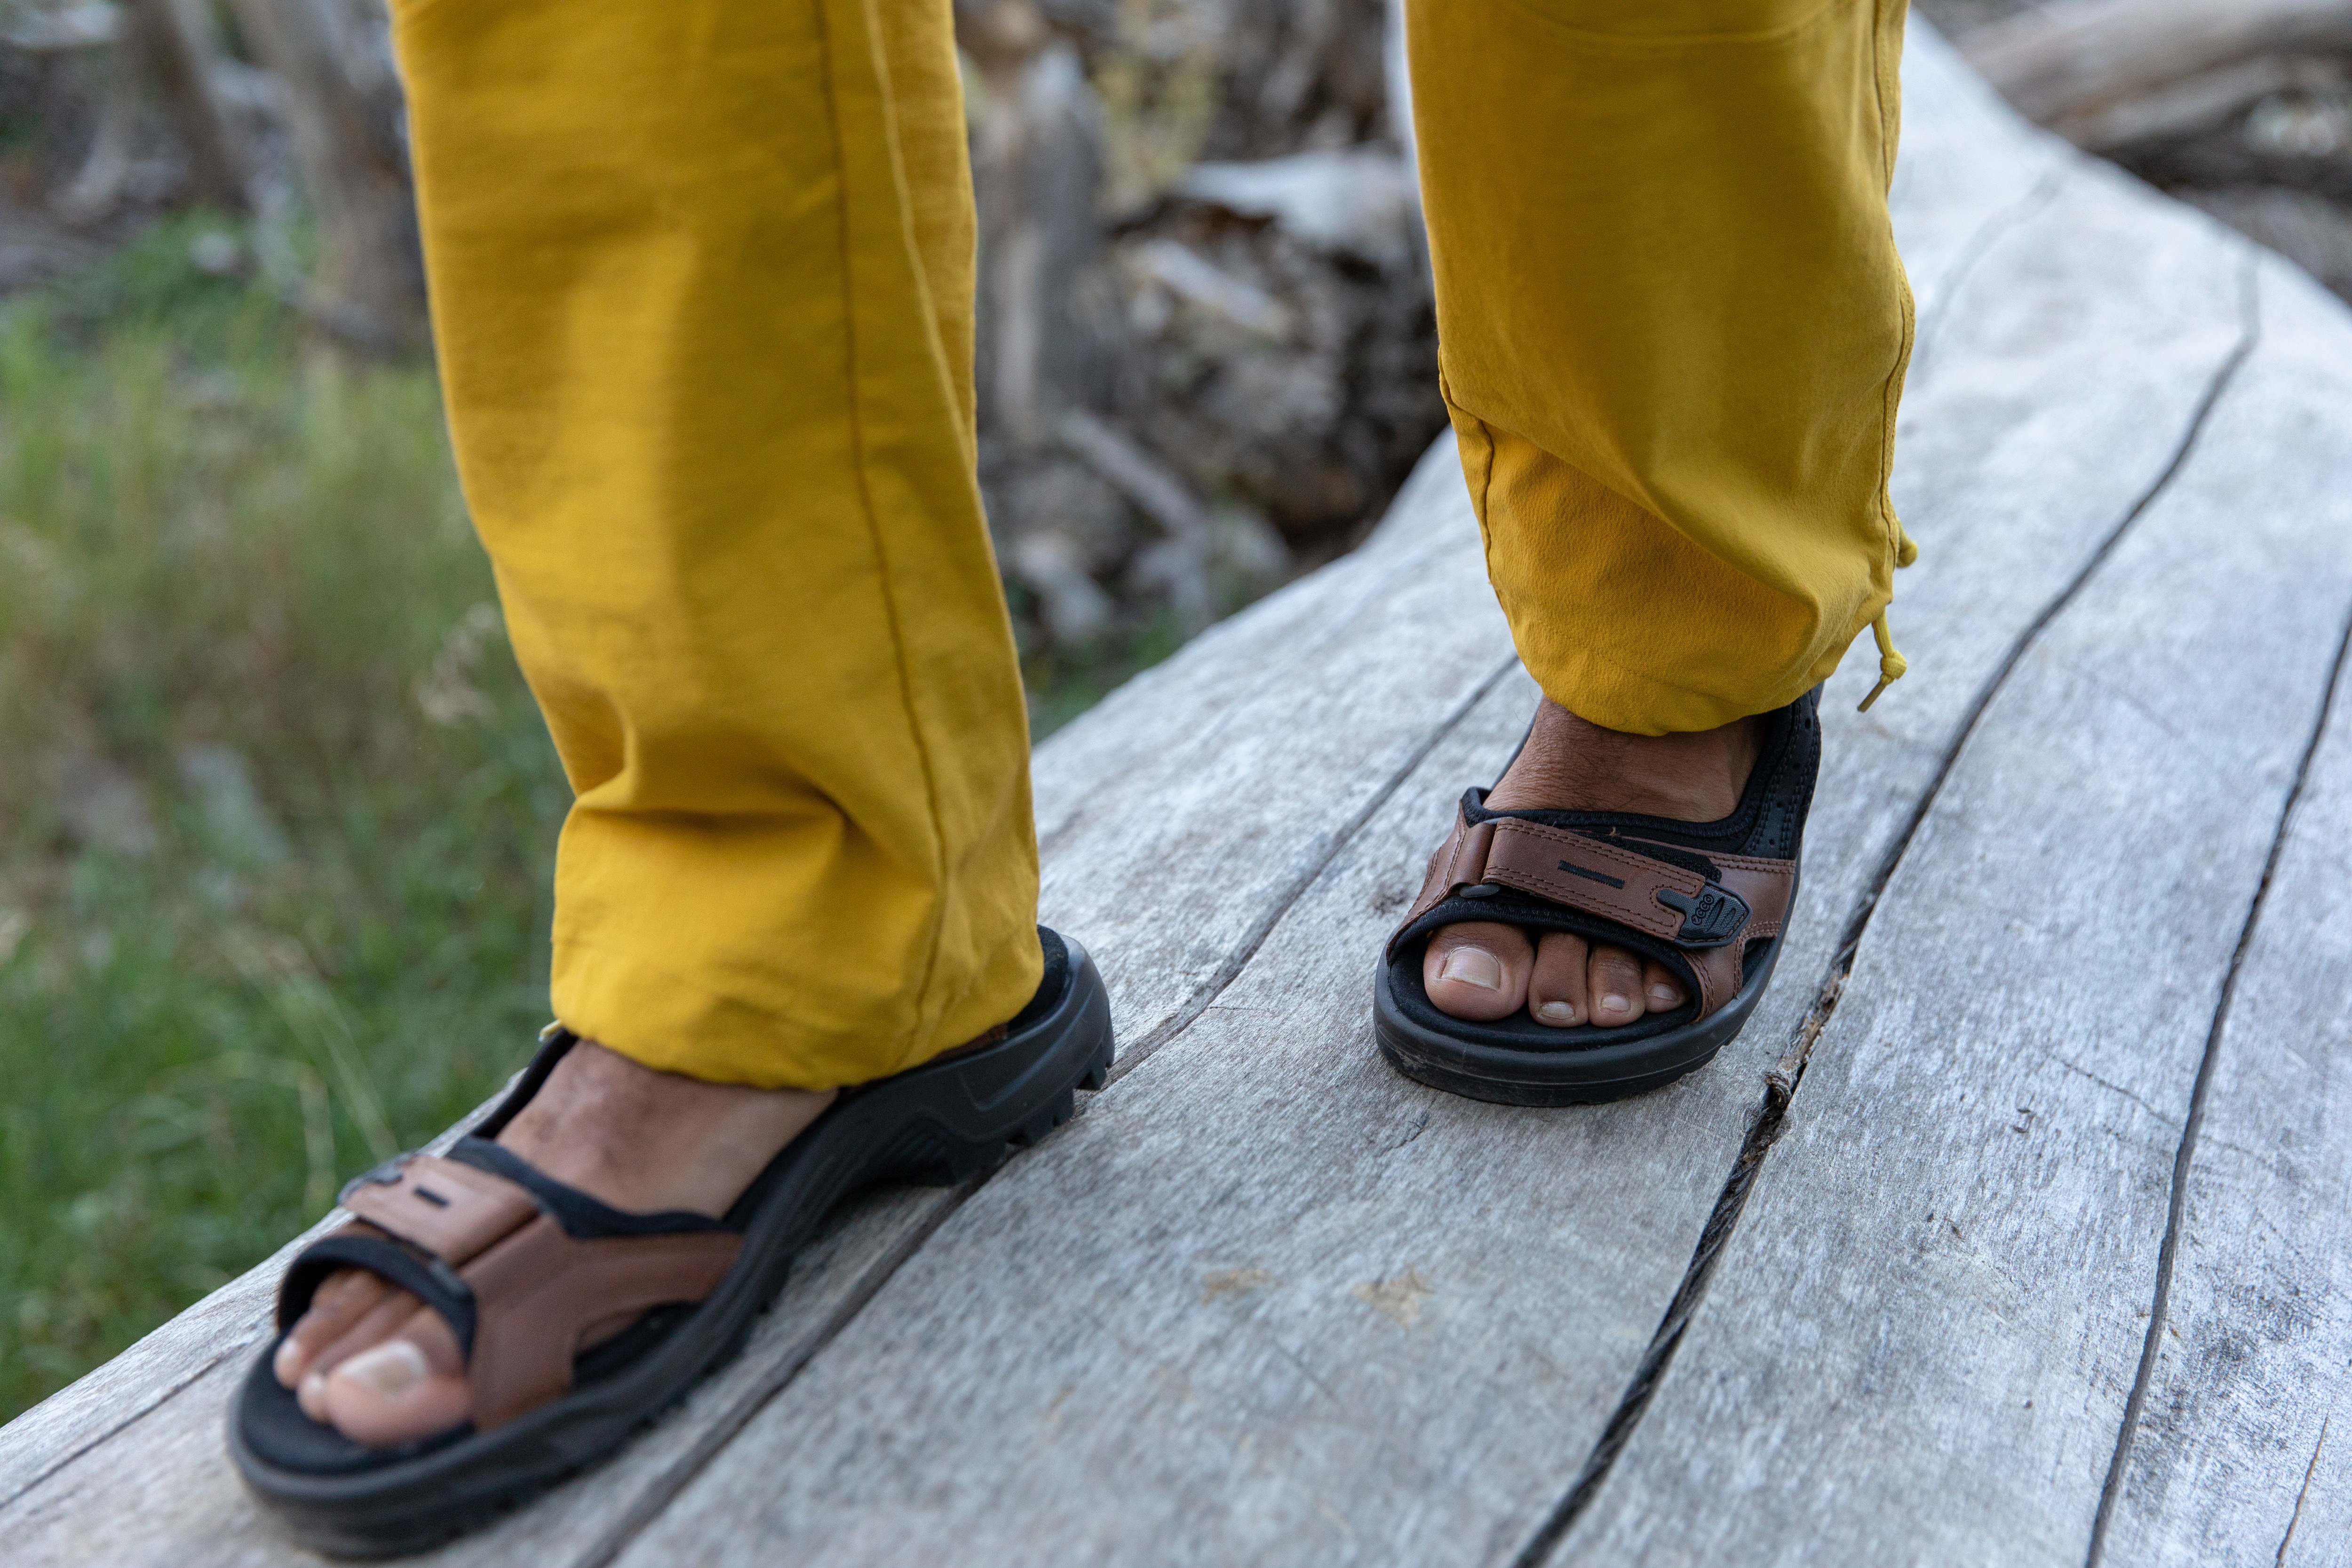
285	1362
1664	994
1472	966
391	1369
1615	1003
1557	1013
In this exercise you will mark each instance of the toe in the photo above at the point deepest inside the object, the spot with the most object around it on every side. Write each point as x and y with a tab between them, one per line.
369	1330
1478	970
1661	991
340	1303
1612	979
408	1386
1555	993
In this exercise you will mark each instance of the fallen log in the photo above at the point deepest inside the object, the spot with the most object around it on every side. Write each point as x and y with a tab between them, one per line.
2076	58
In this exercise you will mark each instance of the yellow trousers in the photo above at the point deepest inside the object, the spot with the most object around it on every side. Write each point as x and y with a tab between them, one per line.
1673	330
702	280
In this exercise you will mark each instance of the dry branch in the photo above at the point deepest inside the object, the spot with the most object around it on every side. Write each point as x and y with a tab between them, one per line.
2078	58
370	287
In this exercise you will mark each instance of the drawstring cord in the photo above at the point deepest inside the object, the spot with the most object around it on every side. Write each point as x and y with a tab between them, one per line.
1891	663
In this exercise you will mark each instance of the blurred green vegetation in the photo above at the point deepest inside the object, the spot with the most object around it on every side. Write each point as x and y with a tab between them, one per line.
276	815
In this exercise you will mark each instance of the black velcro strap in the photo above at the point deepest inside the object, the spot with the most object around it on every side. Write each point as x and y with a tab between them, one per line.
428	1279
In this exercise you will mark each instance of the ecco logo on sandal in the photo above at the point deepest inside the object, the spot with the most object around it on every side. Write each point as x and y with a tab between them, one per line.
1713	918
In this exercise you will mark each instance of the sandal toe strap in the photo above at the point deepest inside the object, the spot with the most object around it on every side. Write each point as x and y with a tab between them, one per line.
1706	916
427	1278
520	1291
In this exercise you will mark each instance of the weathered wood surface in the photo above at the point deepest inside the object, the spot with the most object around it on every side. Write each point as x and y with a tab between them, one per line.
2248	1415
1263	1300
1938	1294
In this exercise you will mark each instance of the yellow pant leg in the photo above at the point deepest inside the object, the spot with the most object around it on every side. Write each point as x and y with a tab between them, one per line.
701	283
1673	328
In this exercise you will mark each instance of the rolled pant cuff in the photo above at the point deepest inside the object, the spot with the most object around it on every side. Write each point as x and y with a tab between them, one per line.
1628	700
667	1022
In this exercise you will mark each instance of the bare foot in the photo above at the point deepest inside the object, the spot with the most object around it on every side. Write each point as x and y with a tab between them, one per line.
383	1368
1483	971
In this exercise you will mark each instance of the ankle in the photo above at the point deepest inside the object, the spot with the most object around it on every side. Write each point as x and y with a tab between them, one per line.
1570	762
642	1140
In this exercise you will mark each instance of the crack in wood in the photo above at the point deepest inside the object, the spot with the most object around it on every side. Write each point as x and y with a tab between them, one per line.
179	1387
2185	1155
2308	1471
1780	1086
1996	225
1401	574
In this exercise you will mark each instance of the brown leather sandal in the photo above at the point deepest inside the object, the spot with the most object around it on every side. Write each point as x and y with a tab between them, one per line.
1708	899
522	1267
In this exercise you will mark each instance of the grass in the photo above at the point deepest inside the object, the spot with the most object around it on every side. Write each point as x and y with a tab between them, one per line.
276	815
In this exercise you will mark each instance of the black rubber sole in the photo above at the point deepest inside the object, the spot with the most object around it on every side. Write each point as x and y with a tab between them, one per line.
1586	1076
942	1122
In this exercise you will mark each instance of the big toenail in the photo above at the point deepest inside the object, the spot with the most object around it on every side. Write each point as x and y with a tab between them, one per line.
1557	1013
391	1369
1472	966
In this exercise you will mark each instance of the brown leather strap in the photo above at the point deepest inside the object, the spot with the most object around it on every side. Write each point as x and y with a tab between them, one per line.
1618	884
1765	885
1565	868
537	1291
451	1211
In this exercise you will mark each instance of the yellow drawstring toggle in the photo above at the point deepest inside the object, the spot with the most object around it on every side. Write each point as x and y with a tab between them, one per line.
1890	665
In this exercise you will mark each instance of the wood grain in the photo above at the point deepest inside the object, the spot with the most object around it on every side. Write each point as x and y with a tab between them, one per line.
1923	1336
2253	1380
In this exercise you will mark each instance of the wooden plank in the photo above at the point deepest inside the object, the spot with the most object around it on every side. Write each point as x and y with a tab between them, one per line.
1922	1337
2250	1388
1267	1302
1967	173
